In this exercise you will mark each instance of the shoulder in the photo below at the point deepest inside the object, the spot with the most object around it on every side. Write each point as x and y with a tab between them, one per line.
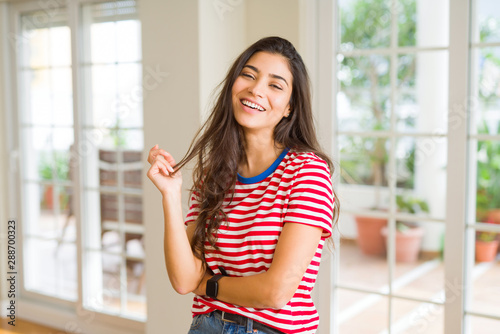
306	162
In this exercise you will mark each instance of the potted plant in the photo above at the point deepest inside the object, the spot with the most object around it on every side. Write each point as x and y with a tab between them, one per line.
486	246
408	234
57	162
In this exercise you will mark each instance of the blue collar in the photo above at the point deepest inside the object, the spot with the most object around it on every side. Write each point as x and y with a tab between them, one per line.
266	173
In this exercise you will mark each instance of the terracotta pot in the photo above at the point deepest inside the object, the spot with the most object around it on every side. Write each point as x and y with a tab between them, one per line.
486	251
407	243
48	197
370	240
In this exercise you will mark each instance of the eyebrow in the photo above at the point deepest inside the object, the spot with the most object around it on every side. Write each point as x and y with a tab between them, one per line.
271	75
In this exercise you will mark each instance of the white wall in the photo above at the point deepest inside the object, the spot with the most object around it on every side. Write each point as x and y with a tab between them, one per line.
171	116
273	18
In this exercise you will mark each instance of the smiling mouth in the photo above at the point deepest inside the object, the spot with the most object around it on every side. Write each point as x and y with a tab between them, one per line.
252	105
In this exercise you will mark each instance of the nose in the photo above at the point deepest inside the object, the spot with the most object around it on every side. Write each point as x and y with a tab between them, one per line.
257	88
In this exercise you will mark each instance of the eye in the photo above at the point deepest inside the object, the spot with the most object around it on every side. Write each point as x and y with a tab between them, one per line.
248	75
276	86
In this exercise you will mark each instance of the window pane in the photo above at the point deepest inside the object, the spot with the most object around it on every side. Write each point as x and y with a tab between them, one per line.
361	312
487	21
421	175
62	97
363	263
364	162
488	181
364	26
128	41
412	318
422	103
486	84
364	97
483	325
419	270
423	23
50	268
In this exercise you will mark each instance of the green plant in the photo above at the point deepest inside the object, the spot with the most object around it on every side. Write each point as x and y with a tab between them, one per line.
56	161
486	236
409	204
488	176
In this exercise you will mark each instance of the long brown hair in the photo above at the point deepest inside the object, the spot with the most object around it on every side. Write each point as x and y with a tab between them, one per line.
219	144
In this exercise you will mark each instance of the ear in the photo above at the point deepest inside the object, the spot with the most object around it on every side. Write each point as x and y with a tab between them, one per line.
288	111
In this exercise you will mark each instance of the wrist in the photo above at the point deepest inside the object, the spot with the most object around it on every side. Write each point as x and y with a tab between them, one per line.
171	196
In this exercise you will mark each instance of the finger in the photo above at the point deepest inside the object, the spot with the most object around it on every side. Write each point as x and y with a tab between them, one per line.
162	166
167	157
170	159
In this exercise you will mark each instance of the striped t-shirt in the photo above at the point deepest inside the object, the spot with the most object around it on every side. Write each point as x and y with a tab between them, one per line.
297	188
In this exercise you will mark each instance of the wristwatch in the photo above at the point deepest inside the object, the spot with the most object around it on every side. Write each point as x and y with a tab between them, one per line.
213	286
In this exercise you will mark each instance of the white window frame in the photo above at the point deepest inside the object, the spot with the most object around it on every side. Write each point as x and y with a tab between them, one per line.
60	313
456	252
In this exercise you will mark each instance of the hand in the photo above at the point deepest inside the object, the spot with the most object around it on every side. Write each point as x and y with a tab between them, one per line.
163	175
201	290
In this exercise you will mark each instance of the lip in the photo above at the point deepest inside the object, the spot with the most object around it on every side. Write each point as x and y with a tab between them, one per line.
251	109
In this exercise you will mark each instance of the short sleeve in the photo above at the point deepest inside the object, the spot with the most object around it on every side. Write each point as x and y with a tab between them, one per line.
194	208
311	199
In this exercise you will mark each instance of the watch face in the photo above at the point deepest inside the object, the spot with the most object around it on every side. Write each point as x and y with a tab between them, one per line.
212	288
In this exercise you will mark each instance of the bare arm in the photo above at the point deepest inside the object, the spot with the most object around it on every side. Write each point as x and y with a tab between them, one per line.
296	247
185	270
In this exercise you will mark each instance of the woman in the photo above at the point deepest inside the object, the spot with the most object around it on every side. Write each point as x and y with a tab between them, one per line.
262	203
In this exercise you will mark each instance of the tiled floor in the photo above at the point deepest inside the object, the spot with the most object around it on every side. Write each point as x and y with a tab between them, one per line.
423	280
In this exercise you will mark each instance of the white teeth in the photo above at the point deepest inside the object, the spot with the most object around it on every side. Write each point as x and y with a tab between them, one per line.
252	105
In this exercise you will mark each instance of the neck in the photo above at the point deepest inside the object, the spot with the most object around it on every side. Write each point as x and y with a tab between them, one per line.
261	152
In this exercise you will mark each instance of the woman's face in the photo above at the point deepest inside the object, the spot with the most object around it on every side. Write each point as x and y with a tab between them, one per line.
262	91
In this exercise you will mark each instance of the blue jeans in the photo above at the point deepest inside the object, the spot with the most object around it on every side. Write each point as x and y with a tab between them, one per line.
211	323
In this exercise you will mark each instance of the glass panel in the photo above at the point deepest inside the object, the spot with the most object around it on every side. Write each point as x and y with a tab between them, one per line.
37	108
488	182
422	103
364	172
133	209
38	154
419	270
129	101
362	257
103	42
111	296
412	318
364	26
62	144
361	312
60	53
35	51
487	24
484	298
38	211
66	221
50	268
421	176
128	41
487	87
423	23
92	220
102	80
136	285
62	96
133	140
363	102
483	325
